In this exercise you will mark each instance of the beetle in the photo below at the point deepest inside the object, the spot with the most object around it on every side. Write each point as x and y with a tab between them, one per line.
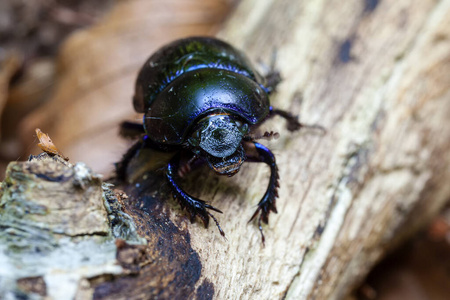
202	101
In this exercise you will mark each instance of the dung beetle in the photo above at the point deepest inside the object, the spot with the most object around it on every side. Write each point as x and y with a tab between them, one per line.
202	101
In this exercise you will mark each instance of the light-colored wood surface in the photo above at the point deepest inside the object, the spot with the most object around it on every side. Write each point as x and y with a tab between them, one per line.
378	80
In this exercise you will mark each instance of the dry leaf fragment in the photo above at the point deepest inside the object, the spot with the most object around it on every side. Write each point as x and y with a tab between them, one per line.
47	145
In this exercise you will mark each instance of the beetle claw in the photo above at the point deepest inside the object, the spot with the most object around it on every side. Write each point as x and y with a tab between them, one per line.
222	233
213	208
194	207
268	202
204	216
263	239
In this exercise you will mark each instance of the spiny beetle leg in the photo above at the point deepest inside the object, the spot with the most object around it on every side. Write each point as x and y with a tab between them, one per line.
268	201
194	207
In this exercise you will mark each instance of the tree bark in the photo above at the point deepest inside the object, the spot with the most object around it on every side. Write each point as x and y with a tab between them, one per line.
375	75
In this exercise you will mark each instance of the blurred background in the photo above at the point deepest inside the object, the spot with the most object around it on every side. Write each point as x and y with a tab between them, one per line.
68	67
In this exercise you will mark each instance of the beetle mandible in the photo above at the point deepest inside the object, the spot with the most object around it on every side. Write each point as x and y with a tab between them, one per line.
202	100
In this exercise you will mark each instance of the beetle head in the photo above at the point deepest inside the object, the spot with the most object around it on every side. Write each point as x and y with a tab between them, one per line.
218	138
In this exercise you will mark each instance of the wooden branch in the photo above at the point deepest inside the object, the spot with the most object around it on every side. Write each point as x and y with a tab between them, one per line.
376	78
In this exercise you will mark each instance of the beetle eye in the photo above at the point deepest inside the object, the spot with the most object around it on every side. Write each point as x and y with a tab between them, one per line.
242	127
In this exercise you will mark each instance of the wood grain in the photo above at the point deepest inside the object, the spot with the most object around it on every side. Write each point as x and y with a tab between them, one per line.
375	75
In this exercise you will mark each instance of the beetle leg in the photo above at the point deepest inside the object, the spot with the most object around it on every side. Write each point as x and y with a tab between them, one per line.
142	157
266	136
259	153
293	123
131	129
195	207
121	167
272	77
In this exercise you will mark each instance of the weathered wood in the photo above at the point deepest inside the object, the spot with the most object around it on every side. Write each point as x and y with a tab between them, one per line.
375	75
52	225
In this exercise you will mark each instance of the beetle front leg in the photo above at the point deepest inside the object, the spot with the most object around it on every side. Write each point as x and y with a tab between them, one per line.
258	153
195	207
